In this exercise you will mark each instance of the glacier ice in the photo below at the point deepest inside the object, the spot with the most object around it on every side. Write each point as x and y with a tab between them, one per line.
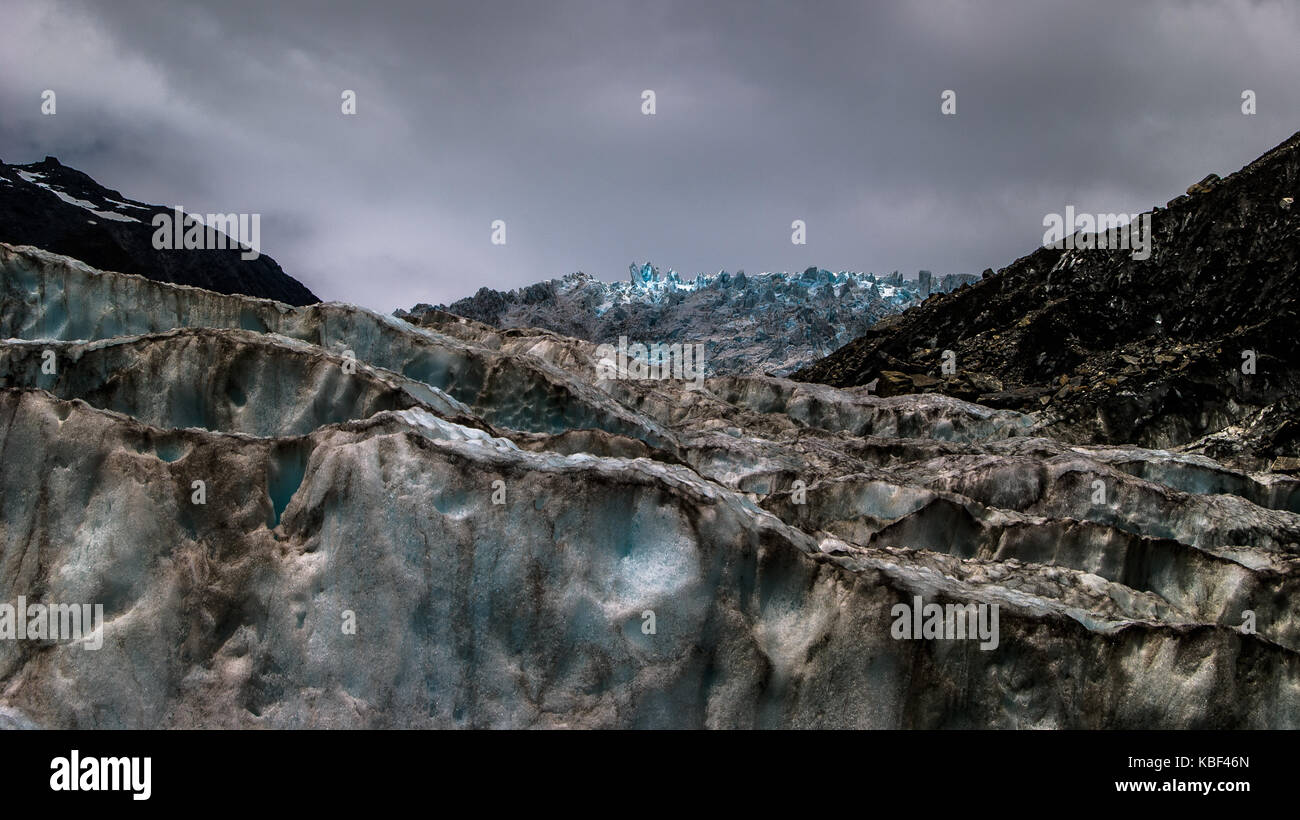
497	528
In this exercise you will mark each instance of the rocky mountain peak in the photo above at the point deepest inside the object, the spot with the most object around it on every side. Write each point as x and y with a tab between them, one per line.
1117	348
49	205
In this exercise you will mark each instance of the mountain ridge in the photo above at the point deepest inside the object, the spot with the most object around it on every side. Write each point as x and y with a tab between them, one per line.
49	205
1117	349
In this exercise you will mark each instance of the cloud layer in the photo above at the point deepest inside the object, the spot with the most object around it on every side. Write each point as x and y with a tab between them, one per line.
531	113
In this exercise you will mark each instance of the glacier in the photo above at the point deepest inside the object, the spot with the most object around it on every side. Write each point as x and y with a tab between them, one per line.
515	544
768	323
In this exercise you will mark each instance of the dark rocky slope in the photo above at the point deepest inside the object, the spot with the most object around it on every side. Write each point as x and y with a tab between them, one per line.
1114	349
60	209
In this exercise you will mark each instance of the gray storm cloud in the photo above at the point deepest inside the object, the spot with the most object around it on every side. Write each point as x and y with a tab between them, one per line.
531	113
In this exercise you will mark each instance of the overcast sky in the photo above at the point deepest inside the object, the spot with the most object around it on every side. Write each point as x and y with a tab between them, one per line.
530	112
